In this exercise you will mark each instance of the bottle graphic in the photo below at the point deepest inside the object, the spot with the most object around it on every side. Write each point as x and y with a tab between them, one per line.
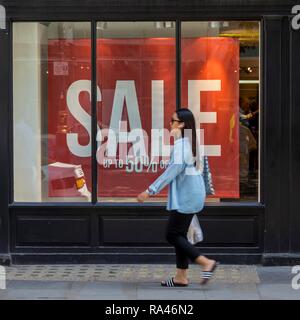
81	183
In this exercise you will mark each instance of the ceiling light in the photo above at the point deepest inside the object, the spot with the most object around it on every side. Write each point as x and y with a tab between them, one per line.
164	24
102	25
169	24
159	24
215	24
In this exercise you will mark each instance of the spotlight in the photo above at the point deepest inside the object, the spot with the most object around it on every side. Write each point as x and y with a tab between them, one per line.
164	24
169	24
101	25
159	24
215	24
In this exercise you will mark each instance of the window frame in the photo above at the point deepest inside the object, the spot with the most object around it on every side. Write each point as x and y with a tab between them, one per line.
93	31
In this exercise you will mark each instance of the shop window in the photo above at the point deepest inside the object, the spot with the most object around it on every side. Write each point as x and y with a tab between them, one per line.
136	97
52	107
220	84
136	70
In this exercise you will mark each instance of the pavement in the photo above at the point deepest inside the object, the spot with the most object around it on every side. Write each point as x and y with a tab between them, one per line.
142	282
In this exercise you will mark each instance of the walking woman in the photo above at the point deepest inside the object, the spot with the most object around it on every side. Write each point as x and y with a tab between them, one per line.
186	196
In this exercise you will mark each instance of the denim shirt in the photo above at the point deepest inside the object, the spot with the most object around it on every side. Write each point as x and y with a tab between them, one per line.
186	192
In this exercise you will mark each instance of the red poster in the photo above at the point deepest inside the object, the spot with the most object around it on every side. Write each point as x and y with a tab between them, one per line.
217	61
136	85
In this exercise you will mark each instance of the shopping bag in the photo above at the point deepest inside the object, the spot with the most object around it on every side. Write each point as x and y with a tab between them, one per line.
195	233
209	187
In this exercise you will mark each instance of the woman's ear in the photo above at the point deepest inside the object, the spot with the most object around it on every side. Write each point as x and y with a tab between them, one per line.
181	125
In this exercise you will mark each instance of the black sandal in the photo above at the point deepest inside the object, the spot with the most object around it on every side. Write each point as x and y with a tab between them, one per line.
170	283
207	275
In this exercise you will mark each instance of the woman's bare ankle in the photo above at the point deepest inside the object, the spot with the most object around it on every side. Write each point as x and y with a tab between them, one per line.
183	280
204	262
181	276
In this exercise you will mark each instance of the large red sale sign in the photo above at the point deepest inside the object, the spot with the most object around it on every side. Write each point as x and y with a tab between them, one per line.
136	93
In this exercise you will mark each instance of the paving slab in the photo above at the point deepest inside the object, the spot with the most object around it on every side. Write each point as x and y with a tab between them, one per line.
278	292
24	290
231	292
102	291
156	292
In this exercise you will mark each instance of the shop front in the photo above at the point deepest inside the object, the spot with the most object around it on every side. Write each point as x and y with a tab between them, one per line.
87	93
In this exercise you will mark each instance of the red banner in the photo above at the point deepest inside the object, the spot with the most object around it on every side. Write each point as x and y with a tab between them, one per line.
215	60
136	85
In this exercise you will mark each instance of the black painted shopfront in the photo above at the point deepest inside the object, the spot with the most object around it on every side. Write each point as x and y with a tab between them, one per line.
49	49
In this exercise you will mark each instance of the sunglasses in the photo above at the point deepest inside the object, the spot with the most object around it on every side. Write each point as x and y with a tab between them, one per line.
175	120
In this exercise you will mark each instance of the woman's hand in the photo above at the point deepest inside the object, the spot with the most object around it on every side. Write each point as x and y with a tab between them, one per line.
142	196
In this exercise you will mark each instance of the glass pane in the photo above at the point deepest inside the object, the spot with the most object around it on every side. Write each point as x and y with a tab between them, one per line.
220	84
136	72
52	107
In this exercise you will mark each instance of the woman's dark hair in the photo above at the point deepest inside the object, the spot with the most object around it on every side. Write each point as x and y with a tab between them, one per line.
186	116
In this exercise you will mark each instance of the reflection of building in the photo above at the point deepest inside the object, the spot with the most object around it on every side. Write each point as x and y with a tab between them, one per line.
260	228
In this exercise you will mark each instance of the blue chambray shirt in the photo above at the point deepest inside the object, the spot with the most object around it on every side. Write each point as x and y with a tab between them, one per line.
186	192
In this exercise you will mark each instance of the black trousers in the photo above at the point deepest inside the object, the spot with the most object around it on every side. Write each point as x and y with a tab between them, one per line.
176	234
